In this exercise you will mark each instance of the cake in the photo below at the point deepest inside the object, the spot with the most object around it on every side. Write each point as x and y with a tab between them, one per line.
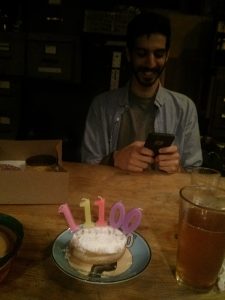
96	246
8	167
101	250
42	162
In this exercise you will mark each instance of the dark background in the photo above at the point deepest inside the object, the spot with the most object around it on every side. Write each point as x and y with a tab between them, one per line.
56	55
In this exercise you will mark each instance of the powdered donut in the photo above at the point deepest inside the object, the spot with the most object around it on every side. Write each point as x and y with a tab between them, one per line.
41	160
97	245
8	167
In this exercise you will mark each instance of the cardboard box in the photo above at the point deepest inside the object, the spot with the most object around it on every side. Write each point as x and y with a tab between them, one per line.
30	186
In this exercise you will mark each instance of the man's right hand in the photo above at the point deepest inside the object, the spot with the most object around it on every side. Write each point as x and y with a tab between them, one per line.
134	157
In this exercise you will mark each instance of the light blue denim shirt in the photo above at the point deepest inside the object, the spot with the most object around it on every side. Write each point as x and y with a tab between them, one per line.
176	114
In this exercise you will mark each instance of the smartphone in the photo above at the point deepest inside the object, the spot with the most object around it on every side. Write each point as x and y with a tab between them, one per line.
157	140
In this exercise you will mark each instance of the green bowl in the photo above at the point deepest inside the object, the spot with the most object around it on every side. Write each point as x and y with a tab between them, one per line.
13	230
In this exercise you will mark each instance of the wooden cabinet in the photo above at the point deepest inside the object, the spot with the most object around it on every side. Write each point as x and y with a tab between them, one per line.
217	110
10	95
216	103
54	57
40	63
12	68
12	53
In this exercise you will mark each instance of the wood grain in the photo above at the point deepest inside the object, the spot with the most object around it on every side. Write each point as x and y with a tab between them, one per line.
34	274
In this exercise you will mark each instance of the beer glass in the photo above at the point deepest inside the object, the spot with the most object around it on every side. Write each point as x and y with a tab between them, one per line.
201	236
204	176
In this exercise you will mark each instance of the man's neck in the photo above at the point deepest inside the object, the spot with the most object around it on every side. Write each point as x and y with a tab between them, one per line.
142	91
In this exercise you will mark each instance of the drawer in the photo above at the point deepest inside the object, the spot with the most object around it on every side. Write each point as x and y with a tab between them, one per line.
9	116
53	60
54	16
12	54
9	86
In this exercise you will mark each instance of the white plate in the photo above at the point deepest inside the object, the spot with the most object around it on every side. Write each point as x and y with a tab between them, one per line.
139	251
16	163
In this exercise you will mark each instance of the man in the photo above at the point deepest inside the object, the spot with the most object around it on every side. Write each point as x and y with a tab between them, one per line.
119	121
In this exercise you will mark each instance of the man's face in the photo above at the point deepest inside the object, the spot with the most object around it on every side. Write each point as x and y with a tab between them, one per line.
148	58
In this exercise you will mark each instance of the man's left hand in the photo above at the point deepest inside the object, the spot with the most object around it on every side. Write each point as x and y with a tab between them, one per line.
168	159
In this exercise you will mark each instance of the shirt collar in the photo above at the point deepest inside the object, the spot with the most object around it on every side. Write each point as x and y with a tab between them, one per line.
159	99
160	96
124	100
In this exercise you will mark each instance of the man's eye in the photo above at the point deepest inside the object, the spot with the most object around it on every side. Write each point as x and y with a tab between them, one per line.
157	53
141	53
160	53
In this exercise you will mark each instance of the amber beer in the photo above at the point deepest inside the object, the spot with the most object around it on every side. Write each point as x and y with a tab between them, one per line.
201	237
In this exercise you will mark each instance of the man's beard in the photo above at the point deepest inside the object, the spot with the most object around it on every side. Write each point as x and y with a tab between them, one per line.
147	76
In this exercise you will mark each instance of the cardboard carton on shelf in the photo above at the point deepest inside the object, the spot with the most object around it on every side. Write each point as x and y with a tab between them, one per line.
29	186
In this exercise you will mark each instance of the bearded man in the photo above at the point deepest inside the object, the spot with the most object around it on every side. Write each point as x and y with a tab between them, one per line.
118	121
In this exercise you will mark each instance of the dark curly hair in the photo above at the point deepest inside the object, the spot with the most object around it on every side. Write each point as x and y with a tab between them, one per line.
147	24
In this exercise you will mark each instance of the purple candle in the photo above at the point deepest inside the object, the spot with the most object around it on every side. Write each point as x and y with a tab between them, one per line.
117	207
132	220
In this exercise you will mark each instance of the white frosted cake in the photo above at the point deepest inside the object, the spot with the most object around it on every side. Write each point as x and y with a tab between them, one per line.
97	245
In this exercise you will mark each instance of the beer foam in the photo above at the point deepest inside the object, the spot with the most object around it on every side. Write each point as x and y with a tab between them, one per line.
4	244
221	278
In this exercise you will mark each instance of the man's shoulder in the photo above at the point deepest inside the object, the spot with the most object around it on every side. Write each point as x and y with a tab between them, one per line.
112	95
166	95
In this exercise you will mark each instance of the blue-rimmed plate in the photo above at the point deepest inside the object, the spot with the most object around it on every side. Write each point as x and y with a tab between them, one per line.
133	263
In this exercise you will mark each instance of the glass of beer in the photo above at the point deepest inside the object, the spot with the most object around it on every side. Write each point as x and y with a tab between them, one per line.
201	236
205	176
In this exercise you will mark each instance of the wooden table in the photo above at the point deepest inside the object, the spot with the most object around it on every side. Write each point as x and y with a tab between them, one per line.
35	276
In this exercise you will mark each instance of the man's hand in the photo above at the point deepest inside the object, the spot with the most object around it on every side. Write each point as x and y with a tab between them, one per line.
168	159
134	157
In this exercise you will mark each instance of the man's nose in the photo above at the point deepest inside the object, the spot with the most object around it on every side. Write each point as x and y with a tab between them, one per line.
150	60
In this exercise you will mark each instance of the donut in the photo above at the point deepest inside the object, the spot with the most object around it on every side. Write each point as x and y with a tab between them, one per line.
41	160
97	245
8	167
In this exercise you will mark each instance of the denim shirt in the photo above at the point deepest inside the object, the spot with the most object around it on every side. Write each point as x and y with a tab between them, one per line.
176	114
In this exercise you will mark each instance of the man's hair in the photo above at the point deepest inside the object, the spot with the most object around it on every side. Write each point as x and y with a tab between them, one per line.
147	24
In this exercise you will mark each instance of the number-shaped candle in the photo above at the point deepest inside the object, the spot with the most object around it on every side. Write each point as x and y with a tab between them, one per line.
85	203
117	221
132	220
101	211
65	210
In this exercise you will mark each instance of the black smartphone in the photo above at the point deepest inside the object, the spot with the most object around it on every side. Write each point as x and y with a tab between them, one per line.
157	140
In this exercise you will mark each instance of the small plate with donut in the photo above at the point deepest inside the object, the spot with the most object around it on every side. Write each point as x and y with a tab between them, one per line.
11	165
134	261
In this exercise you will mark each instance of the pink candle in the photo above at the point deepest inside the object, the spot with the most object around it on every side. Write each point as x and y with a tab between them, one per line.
65	210
132	220
87	212
115	220
101	211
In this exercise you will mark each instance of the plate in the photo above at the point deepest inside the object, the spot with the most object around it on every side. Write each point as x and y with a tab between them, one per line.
138	252
16	163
